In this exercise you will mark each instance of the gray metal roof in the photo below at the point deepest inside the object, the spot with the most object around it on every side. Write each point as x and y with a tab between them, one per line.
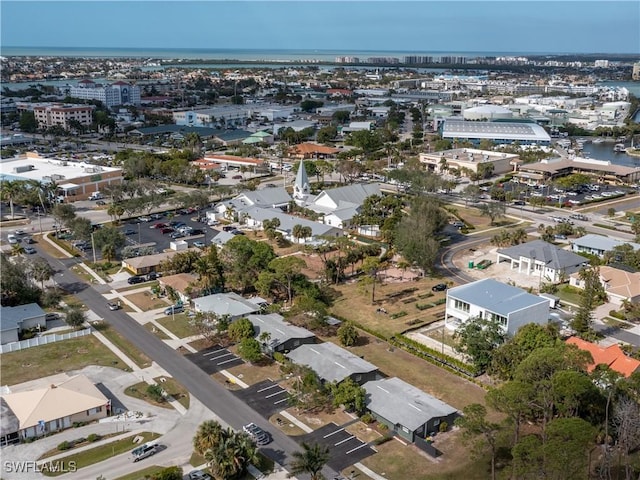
500	130
403	404
495	296
11	317
267	197
225	304
351	194
287	222
222	238
599	242
553	257
330	362
278	329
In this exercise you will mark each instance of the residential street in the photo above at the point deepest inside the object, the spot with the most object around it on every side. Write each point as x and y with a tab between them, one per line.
212	394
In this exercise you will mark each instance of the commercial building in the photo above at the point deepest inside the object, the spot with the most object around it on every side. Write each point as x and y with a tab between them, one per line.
487	113
471	159
497	132
603	170
598	244
510	306
118	93
63	115
75	180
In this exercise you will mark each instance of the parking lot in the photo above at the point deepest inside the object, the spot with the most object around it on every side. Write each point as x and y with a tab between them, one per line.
265	397
345	449
214	359
142	230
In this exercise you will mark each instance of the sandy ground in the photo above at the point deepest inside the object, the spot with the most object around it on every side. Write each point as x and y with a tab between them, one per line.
501	272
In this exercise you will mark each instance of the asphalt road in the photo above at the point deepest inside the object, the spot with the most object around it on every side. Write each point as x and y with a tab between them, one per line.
212	394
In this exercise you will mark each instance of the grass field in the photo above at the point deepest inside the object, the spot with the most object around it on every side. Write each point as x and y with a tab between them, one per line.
47	247
123	344
55	451
64	356
99	454
150	327
146	301
355	304
143	474
139	390
180	326
175	389
569	294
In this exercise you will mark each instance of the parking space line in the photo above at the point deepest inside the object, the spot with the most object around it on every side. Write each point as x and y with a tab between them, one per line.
280	401
220	356
357	448
227	361
267	388
215	351
274	394
333	433
345	440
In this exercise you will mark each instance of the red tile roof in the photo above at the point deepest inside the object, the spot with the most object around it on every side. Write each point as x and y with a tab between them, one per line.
307	148
612	356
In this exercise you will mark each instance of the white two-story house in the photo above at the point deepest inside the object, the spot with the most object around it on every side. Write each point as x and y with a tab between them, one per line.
510	306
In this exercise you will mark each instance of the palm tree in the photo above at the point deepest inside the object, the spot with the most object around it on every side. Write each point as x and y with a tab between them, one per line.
207	437
109	252
296	232
9	190
310	460
41	271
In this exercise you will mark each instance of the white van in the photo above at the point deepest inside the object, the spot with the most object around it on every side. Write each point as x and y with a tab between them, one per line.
96	196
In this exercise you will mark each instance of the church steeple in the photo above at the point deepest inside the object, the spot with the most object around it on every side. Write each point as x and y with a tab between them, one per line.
301	185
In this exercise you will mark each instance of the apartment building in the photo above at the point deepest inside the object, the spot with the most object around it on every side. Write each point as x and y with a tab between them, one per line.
118	93
63	115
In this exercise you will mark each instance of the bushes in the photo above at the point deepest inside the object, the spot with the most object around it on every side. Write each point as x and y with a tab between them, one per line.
440	302
399	315
367	418
93	437
155	392
64	446
381	440
616	314
444	426
279	357
424	306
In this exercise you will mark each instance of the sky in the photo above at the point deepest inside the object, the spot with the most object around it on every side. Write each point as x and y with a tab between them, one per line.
535	26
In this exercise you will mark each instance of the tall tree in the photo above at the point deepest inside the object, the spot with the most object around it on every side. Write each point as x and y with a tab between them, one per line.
474	423
478	338
311	460
41	271
591	295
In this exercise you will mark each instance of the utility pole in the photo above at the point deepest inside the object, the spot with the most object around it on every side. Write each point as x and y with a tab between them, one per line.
93	247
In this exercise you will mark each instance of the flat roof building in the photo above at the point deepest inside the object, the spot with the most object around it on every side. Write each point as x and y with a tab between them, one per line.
470	158
497	132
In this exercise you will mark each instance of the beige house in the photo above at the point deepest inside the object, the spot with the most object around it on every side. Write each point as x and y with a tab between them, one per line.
35	413
147	263
619	284
184	284
470	158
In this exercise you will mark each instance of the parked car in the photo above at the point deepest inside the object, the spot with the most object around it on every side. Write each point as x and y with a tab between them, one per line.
156	216
113	306
152	276
29	250
256	433
440	287
101	203
158	225
129	231
12	239
135	279
51	316
199	475
176	235
198	244
28	240
167	230
228	228
145	219
174	309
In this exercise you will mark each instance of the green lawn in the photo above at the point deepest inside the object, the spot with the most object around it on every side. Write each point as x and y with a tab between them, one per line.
569	294
99	454
170	385
180	326
64	356
150	327
124	345
143	474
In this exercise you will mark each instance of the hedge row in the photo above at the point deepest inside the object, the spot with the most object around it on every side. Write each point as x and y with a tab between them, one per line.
434	356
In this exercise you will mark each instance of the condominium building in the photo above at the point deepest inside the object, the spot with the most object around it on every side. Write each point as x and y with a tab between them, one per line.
63	115
118	93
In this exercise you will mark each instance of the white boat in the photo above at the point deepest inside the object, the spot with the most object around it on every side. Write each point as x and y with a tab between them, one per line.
598	140
619	147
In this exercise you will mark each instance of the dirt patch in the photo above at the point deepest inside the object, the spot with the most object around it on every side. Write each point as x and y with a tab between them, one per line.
146	301
319	419
286	426
251	374
363	431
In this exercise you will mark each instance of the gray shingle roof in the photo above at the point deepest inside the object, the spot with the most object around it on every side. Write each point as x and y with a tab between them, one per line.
11	317
552	256
403	404
279	330
330	362
225	304
599	242
495	296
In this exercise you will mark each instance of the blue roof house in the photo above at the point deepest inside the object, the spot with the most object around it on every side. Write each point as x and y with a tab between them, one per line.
511	307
